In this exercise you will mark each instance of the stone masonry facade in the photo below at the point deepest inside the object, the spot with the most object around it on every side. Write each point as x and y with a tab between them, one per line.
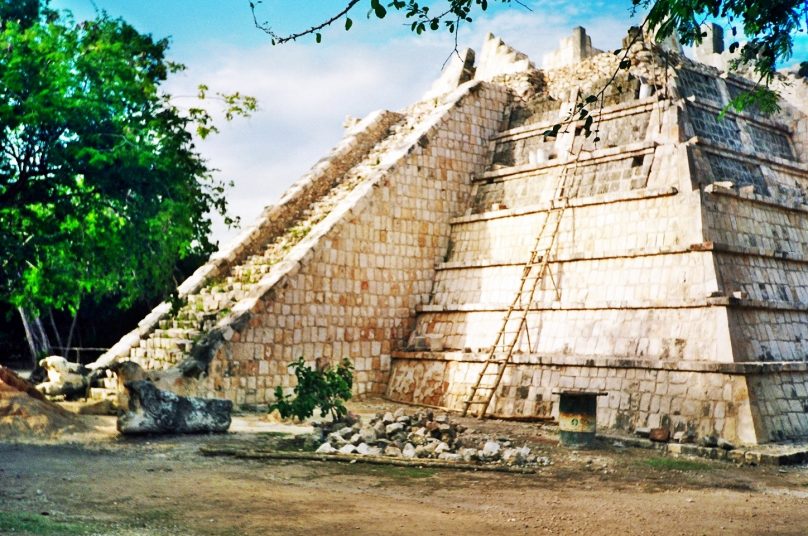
681	262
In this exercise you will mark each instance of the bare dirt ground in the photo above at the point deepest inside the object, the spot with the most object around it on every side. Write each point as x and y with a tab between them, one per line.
99	483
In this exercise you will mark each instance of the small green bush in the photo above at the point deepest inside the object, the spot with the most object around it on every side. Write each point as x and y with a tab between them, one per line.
327	388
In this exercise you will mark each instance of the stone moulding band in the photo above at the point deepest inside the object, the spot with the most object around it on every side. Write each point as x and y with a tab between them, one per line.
577	202
613	112
736	368
717	190
780	164
629	254
749	118
590	306
745	251
597	157
745	303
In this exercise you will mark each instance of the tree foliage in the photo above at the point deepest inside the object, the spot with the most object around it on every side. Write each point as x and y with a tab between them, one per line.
326	388
762	33
102	190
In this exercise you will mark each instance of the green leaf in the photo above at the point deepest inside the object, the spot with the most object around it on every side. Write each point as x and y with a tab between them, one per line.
378	8
348	23
318	37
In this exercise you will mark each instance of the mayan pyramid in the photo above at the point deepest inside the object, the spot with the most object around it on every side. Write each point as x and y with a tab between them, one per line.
676	274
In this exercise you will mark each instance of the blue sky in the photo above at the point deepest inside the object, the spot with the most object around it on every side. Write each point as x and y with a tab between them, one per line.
305	90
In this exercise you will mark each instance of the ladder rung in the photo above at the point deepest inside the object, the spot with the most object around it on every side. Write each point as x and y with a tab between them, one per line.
475	401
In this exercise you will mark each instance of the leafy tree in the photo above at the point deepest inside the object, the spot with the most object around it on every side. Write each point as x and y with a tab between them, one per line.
102	191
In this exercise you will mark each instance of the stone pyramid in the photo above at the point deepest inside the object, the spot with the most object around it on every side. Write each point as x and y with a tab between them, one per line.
680	264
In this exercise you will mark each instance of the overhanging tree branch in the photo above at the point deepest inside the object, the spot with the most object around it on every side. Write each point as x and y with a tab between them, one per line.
279	40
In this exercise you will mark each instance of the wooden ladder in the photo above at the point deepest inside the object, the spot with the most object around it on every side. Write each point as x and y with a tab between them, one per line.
533	272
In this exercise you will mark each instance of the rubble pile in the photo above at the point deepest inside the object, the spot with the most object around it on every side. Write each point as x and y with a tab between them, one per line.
26	413
421	435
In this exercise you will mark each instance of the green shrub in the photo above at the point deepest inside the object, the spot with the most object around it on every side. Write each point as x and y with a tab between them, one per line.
326	388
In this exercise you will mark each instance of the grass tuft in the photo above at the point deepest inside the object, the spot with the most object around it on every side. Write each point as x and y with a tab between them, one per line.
665	463
29	523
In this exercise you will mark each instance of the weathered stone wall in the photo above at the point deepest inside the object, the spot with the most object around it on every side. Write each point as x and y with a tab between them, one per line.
701	400
780	402
744	222
675	267
765	332
354	292
689	333
684	278
606	226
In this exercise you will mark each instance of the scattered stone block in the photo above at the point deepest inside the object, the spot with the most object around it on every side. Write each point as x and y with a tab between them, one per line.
368	435
65	379
724	444
709	441
490	450
660	435
394	428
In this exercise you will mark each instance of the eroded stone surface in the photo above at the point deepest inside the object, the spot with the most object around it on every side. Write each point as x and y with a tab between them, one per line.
153	411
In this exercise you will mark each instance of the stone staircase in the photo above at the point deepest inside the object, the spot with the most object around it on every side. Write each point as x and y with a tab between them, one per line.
177	332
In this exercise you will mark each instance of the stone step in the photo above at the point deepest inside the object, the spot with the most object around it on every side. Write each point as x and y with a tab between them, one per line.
183	324
166	343
159	358
103	393
174	332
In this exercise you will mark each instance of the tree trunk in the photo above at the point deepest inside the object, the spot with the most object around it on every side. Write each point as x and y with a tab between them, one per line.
55	331
70	334
38	341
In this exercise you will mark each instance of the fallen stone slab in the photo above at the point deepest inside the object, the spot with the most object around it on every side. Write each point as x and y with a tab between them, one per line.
154	411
